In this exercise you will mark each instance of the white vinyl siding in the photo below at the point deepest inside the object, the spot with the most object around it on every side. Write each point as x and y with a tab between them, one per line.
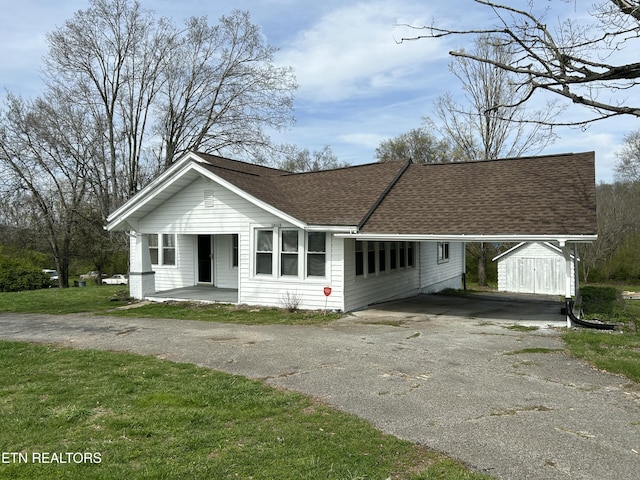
437	275
225	273
374	285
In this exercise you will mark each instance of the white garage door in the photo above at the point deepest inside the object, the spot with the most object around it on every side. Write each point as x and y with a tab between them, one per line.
536	275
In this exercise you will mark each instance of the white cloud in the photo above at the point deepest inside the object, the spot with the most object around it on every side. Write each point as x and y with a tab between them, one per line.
352	51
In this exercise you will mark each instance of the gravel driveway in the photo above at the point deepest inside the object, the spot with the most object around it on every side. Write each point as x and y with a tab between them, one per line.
444	371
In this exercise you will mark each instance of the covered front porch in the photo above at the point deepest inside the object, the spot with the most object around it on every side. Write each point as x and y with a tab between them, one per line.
197	293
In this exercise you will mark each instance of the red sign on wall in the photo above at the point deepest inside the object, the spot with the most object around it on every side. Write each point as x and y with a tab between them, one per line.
327	291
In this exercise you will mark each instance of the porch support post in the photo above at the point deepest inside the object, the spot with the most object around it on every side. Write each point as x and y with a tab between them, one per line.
142	282
566	251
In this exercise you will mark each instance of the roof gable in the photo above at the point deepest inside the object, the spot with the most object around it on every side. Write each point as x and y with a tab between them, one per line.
523	246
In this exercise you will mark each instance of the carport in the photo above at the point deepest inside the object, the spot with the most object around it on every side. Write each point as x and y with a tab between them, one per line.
541	199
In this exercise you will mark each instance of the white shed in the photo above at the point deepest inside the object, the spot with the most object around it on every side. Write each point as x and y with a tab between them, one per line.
533	267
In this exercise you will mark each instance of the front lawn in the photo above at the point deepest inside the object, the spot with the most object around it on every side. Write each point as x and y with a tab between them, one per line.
107	300
112	415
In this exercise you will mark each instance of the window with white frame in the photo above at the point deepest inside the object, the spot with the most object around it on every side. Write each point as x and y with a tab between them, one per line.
359	258
264	252
168	249
372	258
316	254
153	249
443	252
393	255
410	254
289	252
162	249
234	250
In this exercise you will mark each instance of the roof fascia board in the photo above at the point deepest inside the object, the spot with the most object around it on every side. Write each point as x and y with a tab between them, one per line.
330	228
146	195
560	238
155	183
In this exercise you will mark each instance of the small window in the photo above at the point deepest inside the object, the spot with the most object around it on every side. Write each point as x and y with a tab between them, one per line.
382	255
289	252
316	254
234	250
168	249
359	258
403	254
443	252
371	257
393	255
264	252
410	254
153	248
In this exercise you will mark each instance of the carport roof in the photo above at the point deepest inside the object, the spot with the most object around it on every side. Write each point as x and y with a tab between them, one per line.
551	195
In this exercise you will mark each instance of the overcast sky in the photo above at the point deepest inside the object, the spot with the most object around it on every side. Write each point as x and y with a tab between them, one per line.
358	86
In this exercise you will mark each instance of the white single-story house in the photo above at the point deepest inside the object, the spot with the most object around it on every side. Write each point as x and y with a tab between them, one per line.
369	233
534	267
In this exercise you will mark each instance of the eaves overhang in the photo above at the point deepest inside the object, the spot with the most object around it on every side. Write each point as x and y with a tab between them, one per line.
561	239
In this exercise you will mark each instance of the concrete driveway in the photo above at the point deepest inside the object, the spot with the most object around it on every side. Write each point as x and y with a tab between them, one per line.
444	371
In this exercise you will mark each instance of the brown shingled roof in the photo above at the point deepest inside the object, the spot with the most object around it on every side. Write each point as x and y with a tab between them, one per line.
341	196
529	196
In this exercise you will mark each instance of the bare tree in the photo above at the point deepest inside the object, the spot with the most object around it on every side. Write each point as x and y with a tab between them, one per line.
107	59
483	128
297	160
628	167
582	62
418	145
143	79
221	89
44	151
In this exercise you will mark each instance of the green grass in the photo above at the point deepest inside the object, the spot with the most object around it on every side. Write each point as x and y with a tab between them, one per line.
615	352
60	300
106	299
227	313
148	418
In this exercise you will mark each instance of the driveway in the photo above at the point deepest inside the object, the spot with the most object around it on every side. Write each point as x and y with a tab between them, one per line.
444	371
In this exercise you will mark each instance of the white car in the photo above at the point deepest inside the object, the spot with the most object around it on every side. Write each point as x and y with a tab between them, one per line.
117	279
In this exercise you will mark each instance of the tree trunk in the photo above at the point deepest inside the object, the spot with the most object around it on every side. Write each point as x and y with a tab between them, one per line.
482	265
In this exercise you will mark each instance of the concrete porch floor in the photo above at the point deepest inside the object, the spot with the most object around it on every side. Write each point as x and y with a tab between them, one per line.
198	293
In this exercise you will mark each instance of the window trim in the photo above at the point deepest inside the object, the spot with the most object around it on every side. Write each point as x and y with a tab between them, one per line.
290	253
277	252
309	253
161	247
443	252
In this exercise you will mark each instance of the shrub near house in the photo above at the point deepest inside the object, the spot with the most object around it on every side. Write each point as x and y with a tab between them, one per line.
17	275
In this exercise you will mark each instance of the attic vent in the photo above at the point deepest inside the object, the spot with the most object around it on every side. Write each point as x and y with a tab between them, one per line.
208	198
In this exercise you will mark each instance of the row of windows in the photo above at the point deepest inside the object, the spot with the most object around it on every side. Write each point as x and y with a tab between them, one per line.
279	250
285	244
376	257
